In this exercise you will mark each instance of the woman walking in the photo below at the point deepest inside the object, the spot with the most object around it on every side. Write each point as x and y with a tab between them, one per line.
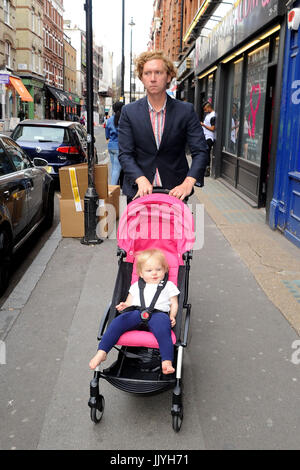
111	133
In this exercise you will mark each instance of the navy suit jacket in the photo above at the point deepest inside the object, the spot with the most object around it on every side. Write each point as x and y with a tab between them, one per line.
139	155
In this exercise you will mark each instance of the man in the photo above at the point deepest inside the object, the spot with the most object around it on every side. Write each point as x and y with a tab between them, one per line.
209	126
153	133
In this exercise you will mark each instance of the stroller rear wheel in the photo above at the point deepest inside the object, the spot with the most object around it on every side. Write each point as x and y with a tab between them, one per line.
177	420
97	413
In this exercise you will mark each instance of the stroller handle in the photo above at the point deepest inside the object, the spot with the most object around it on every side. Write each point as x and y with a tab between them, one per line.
157	190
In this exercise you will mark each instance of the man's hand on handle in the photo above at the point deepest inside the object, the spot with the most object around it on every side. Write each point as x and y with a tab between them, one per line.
184	189
144	187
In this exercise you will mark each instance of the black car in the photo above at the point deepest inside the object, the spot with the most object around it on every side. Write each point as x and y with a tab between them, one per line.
59	142
26	201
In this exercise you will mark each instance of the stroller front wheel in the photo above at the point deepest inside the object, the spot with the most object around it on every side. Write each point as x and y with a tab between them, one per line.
97	413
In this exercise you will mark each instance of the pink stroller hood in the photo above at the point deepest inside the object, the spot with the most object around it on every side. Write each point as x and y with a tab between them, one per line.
157	221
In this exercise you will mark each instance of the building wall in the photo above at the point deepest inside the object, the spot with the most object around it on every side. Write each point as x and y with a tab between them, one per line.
77	40
69	66
8	35
29	37
53	43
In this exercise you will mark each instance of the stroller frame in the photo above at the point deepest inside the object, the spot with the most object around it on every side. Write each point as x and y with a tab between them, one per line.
139	385
137	369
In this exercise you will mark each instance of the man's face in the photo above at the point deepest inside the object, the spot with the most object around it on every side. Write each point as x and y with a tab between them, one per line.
207	108
155	77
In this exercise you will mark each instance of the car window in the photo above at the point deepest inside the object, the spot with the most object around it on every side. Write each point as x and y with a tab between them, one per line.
81	134
42	134
5	163
16	154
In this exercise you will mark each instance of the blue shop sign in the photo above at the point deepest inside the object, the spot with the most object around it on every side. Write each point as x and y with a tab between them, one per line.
244	19
4	79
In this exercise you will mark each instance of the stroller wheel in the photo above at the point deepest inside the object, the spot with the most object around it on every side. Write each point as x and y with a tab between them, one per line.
97	413
177	420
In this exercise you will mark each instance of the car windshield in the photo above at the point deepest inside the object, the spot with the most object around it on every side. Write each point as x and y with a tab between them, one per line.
41	134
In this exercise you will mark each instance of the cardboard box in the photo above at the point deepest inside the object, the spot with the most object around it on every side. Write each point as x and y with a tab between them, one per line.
114	193
77	180
72	216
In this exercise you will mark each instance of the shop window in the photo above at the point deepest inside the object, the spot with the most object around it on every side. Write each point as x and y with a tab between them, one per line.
256	82
233	105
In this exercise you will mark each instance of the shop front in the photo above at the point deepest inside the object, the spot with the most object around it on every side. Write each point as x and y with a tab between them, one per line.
57	103
36	108
186	79
13	94
239	69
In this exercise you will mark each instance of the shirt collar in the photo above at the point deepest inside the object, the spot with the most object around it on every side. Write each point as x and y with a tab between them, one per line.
152	109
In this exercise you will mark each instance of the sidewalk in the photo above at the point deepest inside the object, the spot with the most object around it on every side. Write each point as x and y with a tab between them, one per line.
271	258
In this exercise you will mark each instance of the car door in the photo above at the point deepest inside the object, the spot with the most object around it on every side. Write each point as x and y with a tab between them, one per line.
33	178
13	195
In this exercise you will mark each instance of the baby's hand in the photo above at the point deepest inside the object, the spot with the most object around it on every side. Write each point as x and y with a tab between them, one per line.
173	321
121	306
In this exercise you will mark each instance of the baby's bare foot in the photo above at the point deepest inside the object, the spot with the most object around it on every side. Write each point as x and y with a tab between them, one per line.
97	359
167	367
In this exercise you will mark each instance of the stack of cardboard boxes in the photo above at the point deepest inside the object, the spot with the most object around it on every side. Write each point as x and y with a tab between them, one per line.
73	186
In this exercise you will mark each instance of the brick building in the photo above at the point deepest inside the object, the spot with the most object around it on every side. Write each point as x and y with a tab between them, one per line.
29	54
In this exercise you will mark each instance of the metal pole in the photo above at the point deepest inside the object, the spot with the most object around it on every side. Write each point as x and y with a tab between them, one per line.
123	57
131	24
91	197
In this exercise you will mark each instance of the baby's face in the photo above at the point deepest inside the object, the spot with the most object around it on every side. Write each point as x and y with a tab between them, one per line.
152	271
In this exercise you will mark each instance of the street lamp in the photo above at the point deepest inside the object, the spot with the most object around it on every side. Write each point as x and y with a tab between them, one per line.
131	24
91	197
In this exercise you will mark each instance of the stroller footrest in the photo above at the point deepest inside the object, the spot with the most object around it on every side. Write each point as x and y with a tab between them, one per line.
137	338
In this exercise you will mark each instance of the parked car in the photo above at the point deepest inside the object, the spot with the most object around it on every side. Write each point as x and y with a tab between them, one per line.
61	143
26	200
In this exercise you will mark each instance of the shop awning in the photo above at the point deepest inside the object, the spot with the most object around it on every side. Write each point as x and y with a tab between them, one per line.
60	96
21	89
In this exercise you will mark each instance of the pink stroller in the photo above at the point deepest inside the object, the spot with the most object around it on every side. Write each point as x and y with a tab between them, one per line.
155	221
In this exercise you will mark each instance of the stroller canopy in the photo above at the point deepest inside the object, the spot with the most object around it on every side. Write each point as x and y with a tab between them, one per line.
157	221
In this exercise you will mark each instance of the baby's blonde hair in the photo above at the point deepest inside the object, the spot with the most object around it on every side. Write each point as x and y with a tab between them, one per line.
143	256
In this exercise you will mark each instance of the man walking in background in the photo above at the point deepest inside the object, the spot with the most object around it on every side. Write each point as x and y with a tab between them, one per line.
209	126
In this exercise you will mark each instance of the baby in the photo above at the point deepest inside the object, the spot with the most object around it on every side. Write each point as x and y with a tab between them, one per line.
151	266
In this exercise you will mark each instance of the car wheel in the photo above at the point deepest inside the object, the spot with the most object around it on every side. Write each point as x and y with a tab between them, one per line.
49	214
5	258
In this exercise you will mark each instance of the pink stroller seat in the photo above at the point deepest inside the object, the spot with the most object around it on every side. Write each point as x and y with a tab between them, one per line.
155	221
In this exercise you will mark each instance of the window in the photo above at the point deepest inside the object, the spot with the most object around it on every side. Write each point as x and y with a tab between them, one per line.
33	59
253	126
5	164
233	106
16	154
8	54
33	20
7	12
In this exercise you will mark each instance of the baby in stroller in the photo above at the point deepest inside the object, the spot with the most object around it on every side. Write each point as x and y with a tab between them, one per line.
159	295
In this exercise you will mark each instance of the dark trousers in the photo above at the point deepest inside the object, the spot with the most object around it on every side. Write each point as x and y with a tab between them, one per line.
159	325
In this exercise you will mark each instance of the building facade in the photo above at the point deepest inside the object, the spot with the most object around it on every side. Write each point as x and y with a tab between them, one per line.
8	98
29	54
232	53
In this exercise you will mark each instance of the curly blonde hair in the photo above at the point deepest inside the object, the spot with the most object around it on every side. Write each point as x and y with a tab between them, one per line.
154	55
143	256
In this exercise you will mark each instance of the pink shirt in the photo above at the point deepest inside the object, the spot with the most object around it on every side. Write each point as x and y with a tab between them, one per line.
157	119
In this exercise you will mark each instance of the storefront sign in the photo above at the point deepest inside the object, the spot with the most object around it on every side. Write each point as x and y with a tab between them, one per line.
244	19
4	79
186	64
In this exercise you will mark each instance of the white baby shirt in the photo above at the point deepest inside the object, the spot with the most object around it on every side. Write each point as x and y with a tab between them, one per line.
163	302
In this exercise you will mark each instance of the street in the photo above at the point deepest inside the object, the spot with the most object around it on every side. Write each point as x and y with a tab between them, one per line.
241	389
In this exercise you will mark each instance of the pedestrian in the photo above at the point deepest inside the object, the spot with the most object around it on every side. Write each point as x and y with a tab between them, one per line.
82	120
21	114
111	134
209	126
152	267
153	133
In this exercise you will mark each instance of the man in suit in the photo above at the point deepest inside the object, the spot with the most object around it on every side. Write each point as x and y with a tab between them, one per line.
153	133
